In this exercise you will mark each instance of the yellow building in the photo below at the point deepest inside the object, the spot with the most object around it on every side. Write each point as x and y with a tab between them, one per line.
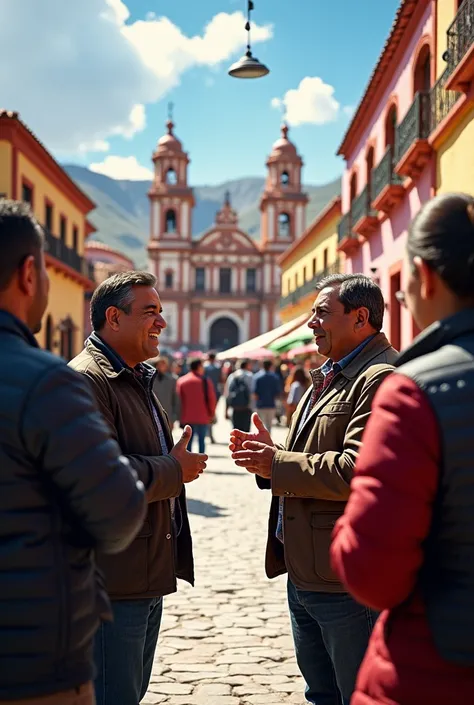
307	260
29	173
453	139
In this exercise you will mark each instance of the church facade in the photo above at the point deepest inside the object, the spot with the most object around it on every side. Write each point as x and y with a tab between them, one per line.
223	288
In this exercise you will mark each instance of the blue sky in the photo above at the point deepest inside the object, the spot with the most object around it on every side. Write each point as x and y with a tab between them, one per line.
106	69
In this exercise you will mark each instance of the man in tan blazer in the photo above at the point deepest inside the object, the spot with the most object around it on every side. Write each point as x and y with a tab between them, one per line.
310	479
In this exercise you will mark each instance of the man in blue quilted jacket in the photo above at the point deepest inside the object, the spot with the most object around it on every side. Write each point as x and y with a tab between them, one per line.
65	492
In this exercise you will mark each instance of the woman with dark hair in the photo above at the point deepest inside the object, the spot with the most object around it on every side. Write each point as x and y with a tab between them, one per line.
405	545
300	381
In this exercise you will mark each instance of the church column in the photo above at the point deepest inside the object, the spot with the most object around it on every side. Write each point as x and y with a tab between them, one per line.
185	333
202	328
246	325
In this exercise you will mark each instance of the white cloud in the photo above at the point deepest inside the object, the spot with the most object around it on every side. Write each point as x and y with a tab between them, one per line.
349	110
122	168
312	102
119	12
166	51
136	122
94	72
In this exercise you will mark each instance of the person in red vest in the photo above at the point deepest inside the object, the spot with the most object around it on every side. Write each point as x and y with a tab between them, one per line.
405	544
198	402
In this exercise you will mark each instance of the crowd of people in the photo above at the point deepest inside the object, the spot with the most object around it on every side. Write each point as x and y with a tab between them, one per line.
273	389
372	494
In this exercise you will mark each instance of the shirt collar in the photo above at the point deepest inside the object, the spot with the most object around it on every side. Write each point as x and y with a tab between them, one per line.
341	364
118	363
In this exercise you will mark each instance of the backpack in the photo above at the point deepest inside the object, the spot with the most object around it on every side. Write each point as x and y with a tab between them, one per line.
239	393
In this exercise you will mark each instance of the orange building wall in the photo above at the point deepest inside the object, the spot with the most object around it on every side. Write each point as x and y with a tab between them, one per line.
5	168
43	188
66	297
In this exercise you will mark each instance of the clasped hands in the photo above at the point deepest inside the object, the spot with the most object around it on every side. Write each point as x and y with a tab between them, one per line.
253	451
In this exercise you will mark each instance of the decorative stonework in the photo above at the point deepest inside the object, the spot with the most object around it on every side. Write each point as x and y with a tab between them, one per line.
225	278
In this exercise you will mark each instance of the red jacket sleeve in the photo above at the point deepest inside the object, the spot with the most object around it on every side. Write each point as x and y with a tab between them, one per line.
377	544
212	396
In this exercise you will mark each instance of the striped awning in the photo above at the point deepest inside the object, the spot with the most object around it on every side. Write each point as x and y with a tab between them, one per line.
261	341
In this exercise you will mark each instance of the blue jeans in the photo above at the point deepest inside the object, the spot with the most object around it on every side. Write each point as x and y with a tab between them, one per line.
124	651
331	633
199	430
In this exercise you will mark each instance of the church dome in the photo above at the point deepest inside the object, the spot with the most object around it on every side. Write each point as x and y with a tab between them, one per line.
170	141
284	147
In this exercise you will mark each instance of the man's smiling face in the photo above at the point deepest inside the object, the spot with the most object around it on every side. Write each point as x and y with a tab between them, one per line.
141	327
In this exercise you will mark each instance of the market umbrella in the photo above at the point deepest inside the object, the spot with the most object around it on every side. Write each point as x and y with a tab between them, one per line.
301	336
260	354
303	349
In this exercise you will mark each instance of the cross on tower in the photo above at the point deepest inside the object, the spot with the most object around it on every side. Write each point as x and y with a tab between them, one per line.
170	111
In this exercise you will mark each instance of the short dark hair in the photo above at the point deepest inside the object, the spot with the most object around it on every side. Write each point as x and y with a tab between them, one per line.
195	364
244	364
442	234
357	291
116	291
21	236
211	356
267	365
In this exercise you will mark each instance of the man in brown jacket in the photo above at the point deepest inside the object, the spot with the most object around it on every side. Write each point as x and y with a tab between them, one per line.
310	477
127	320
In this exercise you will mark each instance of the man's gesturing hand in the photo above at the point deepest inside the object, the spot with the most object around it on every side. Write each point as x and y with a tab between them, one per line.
262	436
255	457
192	464
253	451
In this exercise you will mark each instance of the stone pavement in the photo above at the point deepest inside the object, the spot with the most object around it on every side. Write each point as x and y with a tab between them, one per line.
227	641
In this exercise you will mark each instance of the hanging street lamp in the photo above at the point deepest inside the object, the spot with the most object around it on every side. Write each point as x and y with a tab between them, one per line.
248	66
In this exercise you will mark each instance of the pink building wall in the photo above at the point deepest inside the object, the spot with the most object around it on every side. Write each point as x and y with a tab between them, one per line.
381	256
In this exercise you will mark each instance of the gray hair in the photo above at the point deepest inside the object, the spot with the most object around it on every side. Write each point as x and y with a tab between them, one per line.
116	291
357	291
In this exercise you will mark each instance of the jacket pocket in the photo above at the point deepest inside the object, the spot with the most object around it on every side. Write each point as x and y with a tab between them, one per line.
337	408
322	524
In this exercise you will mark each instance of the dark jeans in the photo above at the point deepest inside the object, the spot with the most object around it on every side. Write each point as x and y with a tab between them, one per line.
241	419
331	633
199	432
124	651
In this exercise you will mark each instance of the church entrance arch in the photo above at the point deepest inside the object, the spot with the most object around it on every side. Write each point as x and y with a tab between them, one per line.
224	333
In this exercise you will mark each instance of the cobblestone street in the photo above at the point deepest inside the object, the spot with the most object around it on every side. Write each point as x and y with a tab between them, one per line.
227	641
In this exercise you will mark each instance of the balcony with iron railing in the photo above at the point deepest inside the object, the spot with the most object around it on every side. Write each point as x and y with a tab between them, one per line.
460	52
58	249
363	217
442	100
387	188
300	292
413	148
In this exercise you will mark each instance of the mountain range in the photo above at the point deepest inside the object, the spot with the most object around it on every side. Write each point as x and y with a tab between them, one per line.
122	213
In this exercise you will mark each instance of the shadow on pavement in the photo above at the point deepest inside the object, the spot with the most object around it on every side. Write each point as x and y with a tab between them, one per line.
204	509
222	472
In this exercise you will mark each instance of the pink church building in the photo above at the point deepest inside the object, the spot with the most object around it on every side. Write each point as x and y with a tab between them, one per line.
390	163
223	288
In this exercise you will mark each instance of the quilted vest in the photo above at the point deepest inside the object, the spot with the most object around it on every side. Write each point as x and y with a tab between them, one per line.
441	363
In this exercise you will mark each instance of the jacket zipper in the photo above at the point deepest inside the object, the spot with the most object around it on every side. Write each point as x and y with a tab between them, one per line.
155	425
